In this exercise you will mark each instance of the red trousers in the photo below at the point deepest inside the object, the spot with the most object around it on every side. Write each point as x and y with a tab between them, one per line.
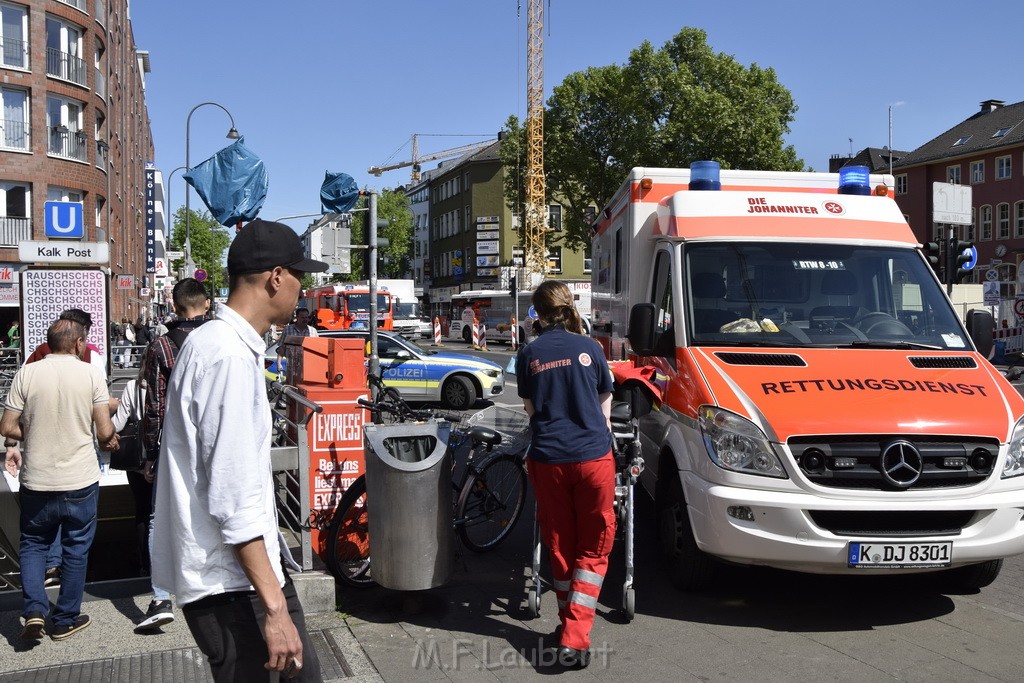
575	509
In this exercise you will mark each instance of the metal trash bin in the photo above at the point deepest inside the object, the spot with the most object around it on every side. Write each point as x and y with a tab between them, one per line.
409	489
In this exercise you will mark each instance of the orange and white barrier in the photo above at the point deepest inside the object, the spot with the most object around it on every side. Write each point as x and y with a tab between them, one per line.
515	334
476	333
1013	337
483	336
437	332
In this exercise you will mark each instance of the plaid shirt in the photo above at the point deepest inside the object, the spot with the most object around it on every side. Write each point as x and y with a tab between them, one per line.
159	362
290	330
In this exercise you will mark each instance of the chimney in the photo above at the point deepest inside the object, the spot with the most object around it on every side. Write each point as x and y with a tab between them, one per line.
989	106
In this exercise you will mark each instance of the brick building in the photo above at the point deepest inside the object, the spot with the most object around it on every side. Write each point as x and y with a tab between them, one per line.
74	128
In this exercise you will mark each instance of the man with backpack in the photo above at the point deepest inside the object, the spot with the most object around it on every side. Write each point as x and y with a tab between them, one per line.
190	305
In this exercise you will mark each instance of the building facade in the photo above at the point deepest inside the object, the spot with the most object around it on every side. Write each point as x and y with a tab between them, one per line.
75	129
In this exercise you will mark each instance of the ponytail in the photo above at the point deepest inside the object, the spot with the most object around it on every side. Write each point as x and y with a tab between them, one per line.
555	306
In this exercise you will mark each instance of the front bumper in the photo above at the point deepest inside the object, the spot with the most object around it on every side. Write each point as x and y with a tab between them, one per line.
783	535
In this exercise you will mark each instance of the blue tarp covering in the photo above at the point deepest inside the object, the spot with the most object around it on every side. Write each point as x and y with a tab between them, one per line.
233	183
339	193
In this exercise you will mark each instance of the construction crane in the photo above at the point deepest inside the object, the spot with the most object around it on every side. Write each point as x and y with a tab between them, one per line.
536	216
416	159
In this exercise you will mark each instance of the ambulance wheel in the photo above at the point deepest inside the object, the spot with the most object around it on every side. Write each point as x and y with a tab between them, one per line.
689	567
629	603
974	576
458	393
533	602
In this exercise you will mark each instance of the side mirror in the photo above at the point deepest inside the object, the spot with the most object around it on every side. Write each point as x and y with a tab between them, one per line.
979	326
403	354
641	332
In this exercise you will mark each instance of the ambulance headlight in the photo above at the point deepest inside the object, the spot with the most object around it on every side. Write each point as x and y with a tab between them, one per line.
1014	465
737	444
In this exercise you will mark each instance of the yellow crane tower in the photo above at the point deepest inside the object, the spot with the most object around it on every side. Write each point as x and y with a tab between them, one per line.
416	159
536	216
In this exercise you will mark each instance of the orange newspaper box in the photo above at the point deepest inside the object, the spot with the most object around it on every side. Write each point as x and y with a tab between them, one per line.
331	372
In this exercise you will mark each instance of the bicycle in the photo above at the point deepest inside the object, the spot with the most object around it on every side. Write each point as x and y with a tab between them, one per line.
490	490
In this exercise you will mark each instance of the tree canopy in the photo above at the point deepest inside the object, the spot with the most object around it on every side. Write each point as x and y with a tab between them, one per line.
395	259
665	107
210	241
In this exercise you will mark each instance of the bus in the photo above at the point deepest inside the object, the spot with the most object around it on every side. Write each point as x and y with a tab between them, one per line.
347	306
495	309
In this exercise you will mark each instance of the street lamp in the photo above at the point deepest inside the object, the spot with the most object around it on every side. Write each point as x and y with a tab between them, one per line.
190	266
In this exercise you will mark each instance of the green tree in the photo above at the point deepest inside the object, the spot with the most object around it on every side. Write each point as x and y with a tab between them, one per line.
210	241
394	260
665	107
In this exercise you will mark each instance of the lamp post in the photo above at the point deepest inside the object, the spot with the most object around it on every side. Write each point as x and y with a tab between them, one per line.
190	266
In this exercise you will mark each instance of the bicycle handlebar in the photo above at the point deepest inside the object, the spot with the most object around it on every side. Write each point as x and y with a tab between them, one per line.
294	395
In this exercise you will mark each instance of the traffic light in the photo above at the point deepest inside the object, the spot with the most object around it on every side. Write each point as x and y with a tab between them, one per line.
931	252
382	242
512	290
957	258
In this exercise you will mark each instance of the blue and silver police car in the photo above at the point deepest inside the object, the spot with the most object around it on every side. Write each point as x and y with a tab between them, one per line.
457	380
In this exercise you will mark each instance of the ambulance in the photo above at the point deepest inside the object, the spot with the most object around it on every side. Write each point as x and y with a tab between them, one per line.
821	406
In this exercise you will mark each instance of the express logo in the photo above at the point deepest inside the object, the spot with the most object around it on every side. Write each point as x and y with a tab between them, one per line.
585	359
834	208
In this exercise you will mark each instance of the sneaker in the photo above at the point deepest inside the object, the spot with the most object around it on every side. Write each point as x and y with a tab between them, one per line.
160	613
569	658
52	576
34	625
80	623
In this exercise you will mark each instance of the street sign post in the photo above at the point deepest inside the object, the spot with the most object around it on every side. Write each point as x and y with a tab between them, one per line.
200	275
63	220
64	252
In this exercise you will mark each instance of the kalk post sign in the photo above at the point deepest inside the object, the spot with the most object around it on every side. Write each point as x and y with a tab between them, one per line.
46	292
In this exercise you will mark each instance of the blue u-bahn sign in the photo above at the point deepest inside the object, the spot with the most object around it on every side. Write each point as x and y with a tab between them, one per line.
63	220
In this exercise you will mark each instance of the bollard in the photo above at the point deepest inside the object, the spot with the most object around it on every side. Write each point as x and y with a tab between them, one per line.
476	333
437	332
483	336
515	334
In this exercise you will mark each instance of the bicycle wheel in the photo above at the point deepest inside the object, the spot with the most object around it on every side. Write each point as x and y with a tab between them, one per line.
348	538
491	502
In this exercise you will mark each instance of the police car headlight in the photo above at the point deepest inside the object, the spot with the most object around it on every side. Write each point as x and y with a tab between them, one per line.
737	444
492	373
1014	465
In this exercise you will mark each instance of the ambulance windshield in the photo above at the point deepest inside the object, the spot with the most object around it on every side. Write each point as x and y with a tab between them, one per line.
801	294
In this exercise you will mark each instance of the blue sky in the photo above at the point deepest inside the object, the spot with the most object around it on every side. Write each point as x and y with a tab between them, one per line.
317	85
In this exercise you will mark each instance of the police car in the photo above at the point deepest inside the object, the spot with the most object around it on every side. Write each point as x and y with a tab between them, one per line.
457	380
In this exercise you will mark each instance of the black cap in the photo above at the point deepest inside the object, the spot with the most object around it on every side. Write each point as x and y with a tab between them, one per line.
263	245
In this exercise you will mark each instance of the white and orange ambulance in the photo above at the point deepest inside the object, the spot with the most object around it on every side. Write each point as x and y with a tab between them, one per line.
823	409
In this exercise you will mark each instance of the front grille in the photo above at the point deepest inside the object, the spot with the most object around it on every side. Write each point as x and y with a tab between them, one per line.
889	523
790	359
852	462
930	362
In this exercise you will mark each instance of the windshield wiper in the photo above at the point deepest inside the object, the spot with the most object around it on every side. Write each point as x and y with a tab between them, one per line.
747	342
875	344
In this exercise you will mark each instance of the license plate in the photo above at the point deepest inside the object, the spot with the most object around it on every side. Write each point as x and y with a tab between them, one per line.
899	555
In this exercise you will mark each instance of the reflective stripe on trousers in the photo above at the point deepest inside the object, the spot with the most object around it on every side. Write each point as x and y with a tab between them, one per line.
575	508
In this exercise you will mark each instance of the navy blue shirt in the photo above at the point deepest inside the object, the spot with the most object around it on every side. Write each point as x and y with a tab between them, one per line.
563	375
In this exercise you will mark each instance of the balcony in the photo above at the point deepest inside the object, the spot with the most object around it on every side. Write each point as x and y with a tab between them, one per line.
14	134
67	144
65	66
102	148
14	230
15	53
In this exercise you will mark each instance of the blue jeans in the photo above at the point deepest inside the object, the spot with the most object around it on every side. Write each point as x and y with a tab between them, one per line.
43	513
159	594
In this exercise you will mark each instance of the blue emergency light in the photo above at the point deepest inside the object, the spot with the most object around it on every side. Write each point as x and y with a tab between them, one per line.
704	175
854	180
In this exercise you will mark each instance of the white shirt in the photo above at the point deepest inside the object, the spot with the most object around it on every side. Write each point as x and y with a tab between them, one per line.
129	405
215	488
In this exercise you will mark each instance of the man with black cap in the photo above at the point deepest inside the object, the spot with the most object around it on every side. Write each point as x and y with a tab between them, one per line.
216	543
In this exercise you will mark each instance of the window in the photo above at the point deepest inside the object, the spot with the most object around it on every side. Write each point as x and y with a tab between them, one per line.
972	229
100	202
901	184
590	215
986	222
1002	132
15	120
1018	219
554	260
14	36
1003	221
588	259
469	218
1003	169
15	213
555	217
977	172
62	194
953	174
517	256
962	141
64	125
64	51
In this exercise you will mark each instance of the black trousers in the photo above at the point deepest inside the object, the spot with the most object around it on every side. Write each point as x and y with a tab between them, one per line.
228	629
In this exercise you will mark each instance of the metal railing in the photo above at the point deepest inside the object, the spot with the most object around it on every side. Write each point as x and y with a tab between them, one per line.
101	154
15	52
70	144
66	66
289	457
16	134
14	230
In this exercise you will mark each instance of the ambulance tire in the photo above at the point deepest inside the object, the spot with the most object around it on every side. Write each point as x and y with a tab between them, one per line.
973	577
458	393
690	568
